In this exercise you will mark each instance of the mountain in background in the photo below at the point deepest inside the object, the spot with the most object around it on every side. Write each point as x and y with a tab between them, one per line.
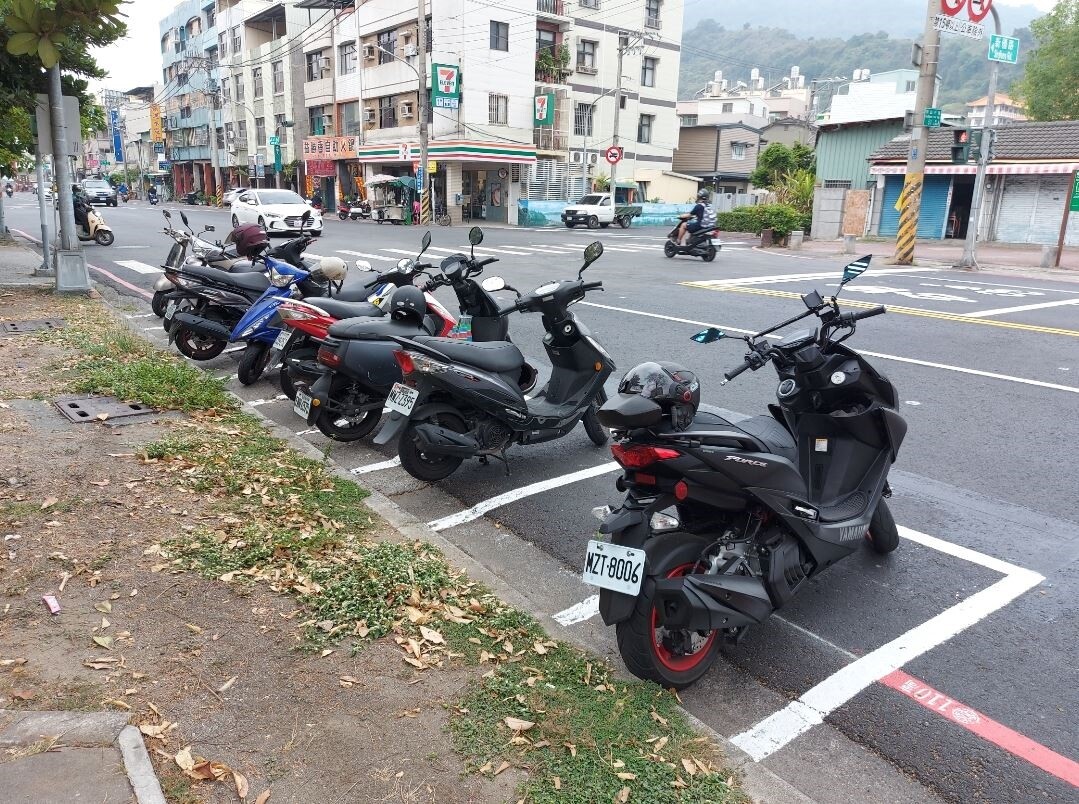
834	18
710	46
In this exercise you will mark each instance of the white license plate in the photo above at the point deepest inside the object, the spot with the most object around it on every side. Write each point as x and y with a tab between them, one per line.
611	566
301	406
170	310
402	398
282	339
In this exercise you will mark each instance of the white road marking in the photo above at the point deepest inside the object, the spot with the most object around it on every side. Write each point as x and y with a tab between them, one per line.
494	252
255	403
585	610
376	467
312	431
481	508
233	349
815	637
778	278
139	267
368	256
965	281
142	315
913	361
1021	309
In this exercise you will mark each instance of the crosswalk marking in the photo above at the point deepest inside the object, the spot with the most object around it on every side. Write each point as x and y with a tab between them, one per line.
139	267
368	256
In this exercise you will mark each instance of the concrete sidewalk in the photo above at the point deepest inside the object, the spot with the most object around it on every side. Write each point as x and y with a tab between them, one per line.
17	266
60	757
1023	258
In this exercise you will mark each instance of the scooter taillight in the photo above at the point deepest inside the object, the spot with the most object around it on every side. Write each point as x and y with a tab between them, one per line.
639	456
404	360
328	357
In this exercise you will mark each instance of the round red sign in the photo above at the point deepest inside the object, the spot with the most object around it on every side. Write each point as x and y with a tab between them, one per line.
952	7
977	10
614	154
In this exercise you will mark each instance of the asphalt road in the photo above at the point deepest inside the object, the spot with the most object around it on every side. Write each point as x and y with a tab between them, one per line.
986	366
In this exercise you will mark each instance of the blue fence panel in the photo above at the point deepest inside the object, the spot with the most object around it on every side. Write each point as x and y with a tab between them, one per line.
548	213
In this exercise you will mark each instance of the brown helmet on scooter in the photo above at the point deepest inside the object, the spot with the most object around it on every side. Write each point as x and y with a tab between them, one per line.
250	240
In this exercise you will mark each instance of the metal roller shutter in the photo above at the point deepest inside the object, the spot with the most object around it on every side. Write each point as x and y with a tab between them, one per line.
931	217
1017	205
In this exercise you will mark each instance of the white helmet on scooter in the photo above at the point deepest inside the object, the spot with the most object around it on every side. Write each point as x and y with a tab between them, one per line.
334	269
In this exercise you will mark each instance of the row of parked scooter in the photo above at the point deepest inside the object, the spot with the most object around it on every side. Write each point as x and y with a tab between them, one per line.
340	355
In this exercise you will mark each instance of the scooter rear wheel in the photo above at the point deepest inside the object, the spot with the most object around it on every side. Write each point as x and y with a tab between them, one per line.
709	253
429	468
158	303
300	352
671	659
343	427
669	249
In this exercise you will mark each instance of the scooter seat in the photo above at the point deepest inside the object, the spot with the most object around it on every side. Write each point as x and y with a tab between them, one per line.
356	293
342	310
771	436
245	267
494	356
373	329
251	281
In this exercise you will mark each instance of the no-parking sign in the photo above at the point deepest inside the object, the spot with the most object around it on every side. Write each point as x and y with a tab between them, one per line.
614	154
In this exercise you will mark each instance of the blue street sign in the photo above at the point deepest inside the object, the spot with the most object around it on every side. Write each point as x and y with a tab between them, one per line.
419	179
117	137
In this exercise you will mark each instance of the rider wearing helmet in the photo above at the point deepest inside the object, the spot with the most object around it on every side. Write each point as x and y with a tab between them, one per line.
701	217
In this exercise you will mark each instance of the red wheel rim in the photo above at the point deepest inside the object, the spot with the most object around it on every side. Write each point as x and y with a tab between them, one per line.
673	661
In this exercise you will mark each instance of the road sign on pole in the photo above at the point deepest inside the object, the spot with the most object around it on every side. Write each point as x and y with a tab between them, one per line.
952	7
614	154
954	25
931	118
277	157
274	140
1003	49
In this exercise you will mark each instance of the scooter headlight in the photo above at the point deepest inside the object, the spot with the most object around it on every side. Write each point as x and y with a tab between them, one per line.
278	279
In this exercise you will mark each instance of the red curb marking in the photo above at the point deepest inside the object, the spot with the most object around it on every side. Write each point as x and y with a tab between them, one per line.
985	727
111	276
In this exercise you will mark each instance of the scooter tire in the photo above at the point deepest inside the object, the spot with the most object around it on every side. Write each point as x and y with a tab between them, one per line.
328	426
433	468
596	431
669	249
643	654
342	215
186	342
298	352
709	254
253	362
158	303
883	535
104	238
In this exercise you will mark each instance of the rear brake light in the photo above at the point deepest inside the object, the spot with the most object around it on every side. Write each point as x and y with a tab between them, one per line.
328	357
404	360
638	457
641	479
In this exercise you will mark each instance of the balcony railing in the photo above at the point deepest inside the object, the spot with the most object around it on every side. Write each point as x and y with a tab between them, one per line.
549	140
652	22
551	75
550	7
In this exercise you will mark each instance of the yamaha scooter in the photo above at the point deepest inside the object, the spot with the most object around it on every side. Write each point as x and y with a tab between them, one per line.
459	400
725	520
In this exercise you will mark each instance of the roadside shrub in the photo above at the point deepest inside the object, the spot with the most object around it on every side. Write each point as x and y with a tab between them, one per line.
781	218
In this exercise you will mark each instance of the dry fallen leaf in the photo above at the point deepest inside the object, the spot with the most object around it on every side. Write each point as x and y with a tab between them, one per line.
626	776
104	607
431	635
227	684
104	641
516	724
264	796
49	503
501	768
690	766
557	783
242	787
184	760
618	764
660	744
194	628
23	695
623	796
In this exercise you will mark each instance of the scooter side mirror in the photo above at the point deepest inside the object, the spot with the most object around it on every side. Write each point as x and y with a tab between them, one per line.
493	284
710	335
855	269
210	229
166	213
425	243
475	235
406	266
593	251
183	217
364	265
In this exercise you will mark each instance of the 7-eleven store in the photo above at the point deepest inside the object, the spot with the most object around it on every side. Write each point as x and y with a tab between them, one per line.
472	180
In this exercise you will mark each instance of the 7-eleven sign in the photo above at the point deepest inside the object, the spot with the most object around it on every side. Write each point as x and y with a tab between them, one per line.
445	86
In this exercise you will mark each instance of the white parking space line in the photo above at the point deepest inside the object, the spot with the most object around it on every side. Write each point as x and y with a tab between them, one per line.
368	256
549	249
913	361
142	315
312	431
139	267
494	252
1021	309
255	403
376	467
585	610
481	508
233	349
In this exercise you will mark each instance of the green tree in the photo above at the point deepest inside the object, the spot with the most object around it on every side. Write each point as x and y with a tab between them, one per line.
774	161
1048	87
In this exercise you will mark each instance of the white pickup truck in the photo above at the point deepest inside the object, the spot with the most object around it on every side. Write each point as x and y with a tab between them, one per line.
598	209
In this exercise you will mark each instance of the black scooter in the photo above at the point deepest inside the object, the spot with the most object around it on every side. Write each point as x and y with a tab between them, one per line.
464	400
699	244
723	522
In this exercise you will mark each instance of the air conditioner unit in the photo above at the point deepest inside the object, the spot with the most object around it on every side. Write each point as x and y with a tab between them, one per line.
327	125
368	51
232	148
369	115
231	135
411	50
576	157
593	158
406	109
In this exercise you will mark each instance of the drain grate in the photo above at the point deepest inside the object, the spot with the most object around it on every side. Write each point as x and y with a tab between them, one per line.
99	408
8	328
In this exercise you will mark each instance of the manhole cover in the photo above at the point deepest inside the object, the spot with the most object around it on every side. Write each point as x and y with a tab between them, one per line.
36	325
99	408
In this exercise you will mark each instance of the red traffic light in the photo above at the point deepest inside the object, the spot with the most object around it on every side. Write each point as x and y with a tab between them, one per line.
962	136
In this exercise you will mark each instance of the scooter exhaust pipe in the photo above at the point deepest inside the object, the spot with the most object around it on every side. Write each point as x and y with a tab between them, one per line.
712	602
440	441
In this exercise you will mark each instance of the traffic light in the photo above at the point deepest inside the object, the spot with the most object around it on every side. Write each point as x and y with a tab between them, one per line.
960	146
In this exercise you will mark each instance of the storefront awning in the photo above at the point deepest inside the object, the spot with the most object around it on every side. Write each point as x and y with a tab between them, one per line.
1017	169
448	151
626	185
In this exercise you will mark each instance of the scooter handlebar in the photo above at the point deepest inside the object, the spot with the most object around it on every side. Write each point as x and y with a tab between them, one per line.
734	372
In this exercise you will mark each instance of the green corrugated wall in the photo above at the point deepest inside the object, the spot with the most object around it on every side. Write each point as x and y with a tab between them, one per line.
843	154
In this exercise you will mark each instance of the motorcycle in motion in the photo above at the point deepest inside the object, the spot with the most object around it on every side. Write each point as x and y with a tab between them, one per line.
723	522
459	400
699	243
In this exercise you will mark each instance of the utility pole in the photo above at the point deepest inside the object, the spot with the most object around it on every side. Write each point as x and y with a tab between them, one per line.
71	273
969	260
910	200
423	186
631	45
45	269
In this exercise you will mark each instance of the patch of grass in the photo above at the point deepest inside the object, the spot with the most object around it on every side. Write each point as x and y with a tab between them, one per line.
177	787
78	697
15	511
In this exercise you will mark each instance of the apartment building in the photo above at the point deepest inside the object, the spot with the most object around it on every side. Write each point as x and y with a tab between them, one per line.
521	97
1005	110
189	74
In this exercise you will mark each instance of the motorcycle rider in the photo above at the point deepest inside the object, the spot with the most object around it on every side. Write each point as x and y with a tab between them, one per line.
702	216
81	202
151	194
9	189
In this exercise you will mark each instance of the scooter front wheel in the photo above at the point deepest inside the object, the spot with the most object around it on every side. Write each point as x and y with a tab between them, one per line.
253	362
421	466
669	249
669	658
104	238
347	428
596	431
883	535
197	347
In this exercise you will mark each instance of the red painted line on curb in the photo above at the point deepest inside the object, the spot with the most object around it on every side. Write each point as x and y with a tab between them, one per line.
101	271
985	727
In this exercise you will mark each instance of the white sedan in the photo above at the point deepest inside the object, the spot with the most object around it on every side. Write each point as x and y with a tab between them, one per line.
231	195
276	211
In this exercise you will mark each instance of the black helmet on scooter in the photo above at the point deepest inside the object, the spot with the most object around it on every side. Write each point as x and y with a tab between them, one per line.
408	305
250	240
671	386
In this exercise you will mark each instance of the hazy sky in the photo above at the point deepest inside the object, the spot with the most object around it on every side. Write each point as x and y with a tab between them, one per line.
136	60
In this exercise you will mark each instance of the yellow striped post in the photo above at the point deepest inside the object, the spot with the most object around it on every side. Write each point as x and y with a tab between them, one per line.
909	205
425	207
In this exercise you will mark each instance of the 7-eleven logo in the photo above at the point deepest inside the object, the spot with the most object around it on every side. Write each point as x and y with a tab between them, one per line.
447	80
